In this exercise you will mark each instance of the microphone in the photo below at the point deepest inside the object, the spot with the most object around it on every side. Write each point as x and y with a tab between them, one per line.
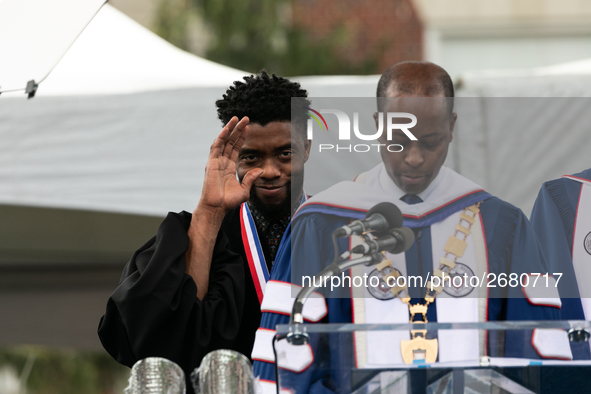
382	217
297	336
396	241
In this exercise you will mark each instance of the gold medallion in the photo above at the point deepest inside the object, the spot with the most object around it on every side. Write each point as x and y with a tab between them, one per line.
419	350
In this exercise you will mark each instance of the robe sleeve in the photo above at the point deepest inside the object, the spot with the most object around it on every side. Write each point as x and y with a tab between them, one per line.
553	219
515	250
312	249
155	310
307	251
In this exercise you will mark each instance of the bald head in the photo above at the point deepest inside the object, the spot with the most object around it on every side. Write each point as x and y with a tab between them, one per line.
419	79
426	91
416	78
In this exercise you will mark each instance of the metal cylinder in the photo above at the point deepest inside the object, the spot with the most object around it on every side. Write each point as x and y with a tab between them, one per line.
224	372
155	375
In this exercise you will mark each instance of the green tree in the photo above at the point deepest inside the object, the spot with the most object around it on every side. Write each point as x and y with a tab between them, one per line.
171	22
256	34
59	371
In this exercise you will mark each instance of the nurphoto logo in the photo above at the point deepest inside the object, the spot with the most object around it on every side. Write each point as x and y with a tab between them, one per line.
392	120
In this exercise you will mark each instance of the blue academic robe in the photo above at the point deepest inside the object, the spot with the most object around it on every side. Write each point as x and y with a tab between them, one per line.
511	247
553	218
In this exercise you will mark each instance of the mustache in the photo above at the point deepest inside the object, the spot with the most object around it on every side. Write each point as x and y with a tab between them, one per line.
269	185
281	209
414	174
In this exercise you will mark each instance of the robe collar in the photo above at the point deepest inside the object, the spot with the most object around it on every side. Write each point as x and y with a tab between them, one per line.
447	194
390	188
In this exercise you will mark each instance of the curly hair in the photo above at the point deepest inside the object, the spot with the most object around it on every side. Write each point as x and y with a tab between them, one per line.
264	98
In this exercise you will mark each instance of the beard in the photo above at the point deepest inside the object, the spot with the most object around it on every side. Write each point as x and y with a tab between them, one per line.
285	207
272	210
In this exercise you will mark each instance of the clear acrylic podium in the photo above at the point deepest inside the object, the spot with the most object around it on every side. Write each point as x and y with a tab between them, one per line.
331	361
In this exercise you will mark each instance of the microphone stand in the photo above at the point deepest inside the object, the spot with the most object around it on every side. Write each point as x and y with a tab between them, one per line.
296	320
297	336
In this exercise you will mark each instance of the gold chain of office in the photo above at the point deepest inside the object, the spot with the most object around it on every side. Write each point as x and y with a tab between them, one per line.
419	347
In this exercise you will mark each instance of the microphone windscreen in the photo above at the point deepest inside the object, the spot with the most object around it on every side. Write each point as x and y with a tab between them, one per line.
408	236
389	211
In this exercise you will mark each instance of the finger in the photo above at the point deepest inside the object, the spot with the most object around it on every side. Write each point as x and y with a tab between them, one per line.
238	145
235	135
249	178
218	144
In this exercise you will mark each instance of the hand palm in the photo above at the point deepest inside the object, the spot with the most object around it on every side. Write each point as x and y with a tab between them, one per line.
221	189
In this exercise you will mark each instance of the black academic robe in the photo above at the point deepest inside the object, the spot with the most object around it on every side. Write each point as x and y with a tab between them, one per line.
154	312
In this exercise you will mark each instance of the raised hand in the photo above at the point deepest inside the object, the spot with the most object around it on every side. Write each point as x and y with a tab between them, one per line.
221	190
221	193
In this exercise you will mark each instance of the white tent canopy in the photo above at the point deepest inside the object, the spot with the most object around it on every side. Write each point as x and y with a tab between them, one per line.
561	80
521	128
115	55
121	126
125	120
34	36
107	129
123	123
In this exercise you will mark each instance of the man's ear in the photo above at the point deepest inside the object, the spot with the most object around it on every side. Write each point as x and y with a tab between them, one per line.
307	146
376	119
452	125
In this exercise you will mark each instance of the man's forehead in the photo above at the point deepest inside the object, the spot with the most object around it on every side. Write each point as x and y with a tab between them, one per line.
273	135
400	89
269	129
285	129
416	105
